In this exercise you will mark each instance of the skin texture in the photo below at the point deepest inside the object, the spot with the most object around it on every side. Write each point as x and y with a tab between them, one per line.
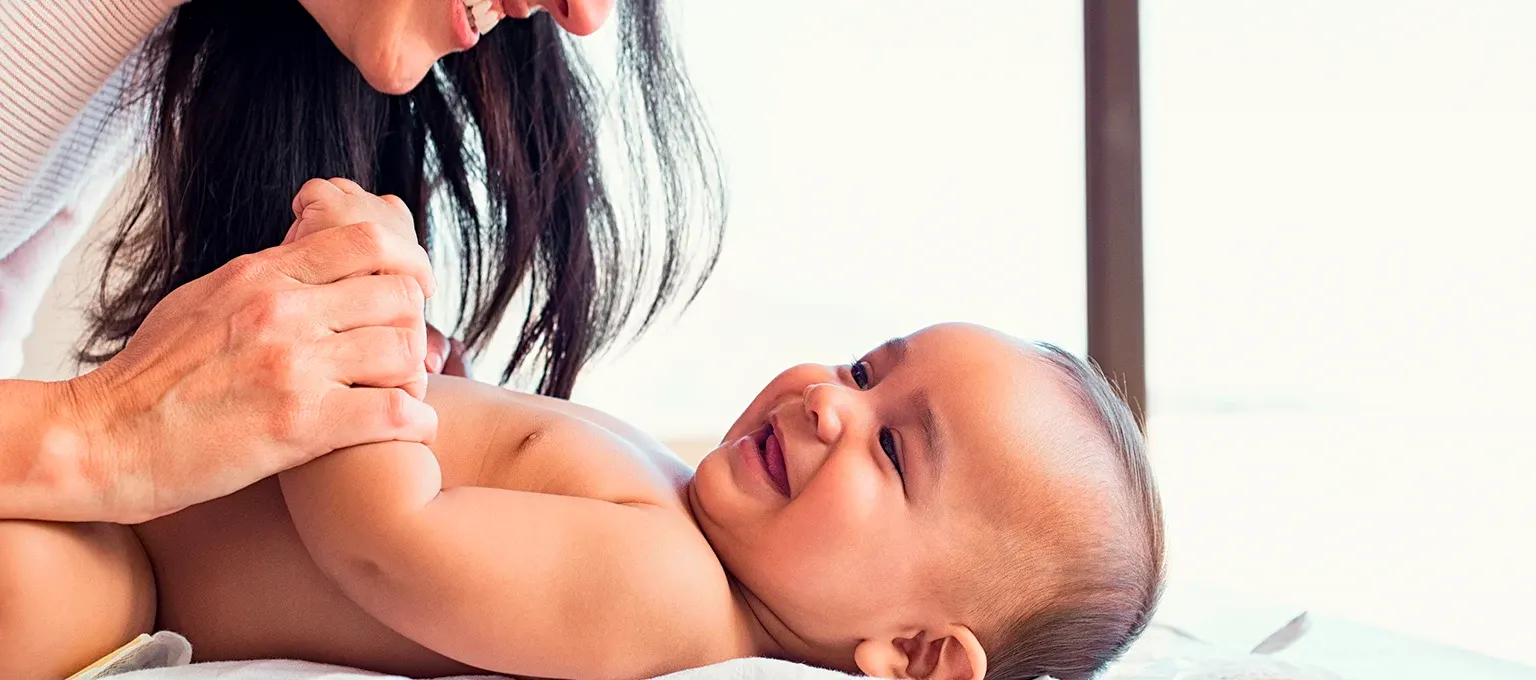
536	537
395	42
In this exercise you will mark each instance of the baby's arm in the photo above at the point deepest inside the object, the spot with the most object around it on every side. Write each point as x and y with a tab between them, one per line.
512	582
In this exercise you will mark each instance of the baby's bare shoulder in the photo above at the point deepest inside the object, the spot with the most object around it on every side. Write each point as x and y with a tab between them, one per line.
498	438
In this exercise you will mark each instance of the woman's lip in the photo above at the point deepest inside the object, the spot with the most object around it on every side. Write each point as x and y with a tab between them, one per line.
464	35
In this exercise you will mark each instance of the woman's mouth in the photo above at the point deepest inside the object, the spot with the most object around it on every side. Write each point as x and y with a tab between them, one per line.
474	18
771	451
483	15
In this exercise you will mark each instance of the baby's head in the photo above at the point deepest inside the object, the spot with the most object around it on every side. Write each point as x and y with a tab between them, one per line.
956	504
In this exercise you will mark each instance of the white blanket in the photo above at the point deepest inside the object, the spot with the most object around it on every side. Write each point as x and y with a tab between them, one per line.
738	669
1192	639
1163	653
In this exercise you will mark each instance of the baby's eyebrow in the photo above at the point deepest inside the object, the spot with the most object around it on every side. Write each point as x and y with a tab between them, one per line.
931	452
896	348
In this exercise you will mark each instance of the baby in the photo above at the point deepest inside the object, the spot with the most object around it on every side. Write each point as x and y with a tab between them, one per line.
955	505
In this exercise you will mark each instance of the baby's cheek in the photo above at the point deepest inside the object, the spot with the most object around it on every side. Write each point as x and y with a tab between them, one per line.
827	559
840	508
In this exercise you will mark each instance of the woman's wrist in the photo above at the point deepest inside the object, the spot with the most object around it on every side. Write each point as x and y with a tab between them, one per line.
47	468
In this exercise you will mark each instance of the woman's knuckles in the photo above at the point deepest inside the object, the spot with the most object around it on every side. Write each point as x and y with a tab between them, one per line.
397	411
396	204
245	269
277	368
412	343
398	353
292	419
407	295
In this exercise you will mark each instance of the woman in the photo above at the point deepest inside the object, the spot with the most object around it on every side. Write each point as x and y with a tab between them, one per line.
249	354
248	100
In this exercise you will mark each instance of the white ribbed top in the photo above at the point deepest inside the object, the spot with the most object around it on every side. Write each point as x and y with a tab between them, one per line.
61	76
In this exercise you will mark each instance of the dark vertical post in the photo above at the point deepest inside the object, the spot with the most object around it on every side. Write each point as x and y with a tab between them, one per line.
1112	93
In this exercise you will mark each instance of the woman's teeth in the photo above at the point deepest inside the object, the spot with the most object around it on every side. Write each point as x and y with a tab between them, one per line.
482	17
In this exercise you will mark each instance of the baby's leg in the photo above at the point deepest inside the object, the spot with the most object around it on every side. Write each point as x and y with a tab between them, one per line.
69	595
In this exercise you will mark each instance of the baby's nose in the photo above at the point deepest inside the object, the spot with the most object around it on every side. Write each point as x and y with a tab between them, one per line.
821	407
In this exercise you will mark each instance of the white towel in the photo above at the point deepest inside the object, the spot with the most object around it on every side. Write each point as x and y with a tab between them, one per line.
161	650
1163	654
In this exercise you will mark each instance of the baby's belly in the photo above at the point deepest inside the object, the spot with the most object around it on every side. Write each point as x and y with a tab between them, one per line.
234	579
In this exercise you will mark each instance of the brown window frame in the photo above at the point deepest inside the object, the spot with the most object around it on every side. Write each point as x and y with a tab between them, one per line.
1112	141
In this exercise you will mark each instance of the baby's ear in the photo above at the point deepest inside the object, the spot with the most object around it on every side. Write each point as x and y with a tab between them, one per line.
949	654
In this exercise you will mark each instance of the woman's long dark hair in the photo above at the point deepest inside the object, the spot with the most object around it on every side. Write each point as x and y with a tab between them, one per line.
248	99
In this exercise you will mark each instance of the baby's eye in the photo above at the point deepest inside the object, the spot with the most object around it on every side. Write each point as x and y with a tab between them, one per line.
860	375
888	445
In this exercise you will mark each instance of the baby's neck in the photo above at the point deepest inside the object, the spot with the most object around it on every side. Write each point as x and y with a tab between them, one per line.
760	632
769	636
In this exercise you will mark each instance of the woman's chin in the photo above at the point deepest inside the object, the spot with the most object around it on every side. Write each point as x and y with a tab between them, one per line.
396	68
397	79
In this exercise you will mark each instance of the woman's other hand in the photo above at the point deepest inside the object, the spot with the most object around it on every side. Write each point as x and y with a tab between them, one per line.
273	359
446	355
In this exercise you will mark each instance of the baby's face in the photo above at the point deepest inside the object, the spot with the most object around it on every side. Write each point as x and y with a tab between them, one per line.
850	500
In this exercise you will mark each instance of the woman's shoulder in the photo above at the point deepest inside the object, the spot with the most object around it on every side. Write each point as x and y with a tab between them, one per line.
60	127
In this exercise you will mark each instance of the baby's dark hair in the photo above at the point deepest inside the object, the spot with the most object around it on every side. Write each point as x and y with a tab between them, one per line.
1104	597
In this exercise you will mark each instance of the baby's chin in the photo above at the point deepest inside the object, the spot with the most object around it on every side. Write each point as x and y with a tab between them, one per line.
704	473
712	493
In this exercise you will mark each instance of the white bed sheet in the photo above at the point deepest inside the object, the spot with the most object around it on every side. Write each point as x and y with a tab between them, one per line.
1163	654
1194	638
737	669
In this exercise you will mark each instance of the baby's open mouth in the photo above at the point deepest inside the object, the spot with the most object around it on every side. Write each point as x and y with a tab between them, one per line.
772	453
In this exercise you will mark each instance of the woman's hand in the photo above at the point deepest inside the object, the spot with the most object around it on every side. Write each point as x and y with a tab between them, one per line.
446	355
275	358
327	204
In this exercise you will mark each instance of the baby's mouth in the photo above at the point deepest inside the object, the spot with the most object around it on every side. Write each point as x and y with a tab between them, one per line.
771	450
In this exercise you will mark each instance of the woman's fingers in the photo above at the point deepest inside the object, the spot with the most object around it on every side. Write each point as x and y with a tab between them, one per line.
378	356
366	415
437	349
354	250
385	300
458	361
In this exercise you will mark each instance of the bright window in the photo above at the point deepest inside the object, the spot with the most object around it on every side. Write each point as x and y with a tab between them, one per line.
1339	244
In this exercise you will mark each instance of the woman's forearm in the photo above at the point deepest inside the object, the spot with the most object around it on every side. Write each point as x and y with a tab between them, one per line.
46	469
